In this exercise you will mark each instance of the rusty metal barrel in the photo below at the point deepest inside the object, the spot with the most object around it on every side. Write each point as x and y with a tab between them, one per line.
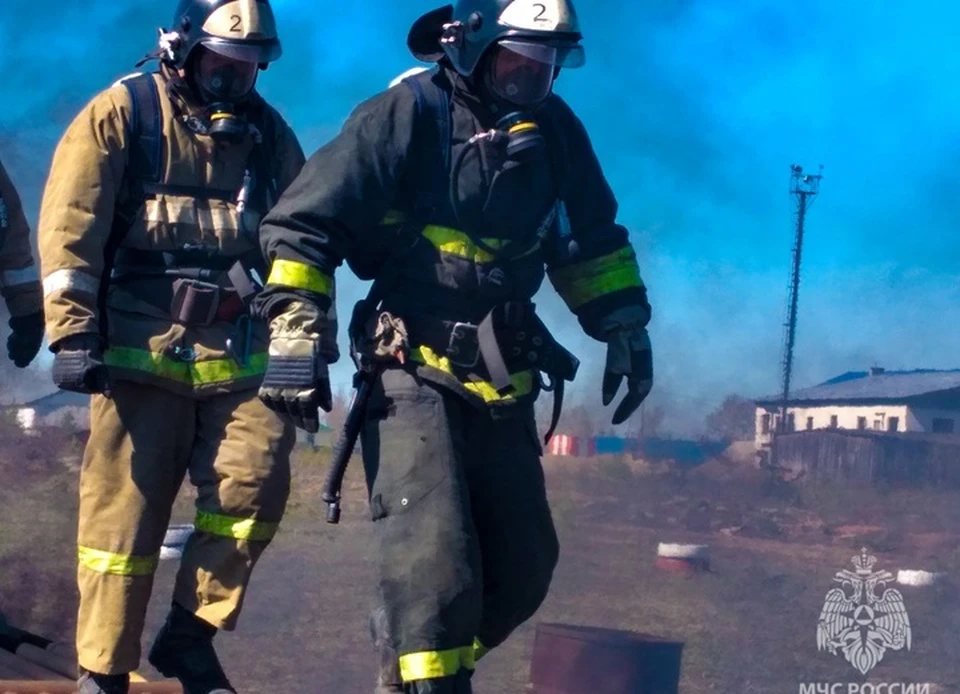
572	659
65	687
683	559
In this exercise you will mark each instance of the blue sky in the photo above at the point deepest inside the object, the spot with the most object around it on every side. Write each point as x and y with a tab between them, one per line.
697	109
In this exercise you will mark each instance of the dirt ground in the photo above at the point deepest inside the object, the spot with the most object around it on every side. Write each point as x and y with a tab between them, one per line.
749	624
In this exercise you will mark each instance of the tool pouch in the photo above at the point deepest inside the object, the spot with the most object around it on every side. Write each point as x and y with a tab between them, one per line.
525	338
559	362
194	303
377	337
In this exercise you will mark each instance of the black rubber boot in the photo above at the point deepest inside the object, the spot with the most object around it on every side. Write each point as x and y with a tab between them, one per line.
184	649
388	676
95	683
459	684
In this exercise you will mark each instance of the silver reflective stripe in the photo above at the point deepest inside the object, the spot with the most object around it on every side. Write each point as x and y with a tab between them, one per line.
11	278
125	78
62	280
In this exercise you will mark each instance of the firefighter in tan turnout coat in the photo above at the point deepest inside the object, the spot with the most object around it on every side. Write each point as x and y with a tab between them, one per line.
19	278
150	255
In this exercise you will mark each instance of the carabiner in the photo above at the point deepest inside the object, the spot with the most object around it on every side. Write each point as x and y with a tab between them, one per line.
552	383
184	354
241	356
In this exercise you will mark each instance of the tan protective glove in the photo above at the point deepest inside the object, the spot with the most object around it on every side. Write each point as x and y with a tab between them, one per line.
297	381
78	365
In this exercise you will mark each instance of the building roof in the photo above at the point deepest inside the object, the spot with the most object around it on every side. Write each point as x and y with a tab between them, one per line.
874	385
51	402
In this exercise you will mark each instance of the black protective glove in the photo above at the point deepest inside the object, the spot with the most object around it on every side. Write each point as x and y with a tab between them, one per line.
25	339
78	365
297	381
628	355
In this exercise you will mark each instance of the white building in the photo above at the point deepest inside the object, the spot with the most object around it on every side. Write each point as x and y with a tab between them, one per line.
894	401
54	409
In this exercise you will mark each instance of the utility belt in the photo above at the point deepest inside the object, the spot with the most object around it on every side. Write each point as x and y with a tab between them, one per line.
511	338
219	290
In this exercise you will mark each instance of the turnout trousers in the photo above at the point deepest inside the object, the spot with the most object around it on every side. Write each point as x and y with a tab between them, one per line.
143	440
466	545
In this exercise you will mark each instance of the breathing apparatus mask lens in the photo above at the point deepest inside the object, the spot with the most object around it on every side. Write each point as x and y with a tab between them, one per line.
522	72
224	79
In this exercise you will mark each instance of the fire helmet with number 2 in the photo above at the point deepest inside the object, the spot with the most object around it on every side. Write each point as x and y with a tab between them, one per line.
520	43
244	30
222	43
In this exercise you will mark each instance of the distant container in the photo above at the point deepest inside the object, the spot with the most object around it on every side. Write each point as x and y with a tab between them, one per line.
571	659
564	445
26	418
685	559
175	540
609	445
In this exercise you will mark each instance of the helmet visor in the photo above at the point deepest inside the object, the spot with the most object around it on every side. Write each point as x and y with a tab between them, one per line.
246	52
223	78
555	53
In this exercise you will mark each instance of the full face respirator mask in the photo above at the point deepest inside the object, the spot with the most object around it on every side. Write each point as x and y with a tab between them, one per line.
224	83
521	73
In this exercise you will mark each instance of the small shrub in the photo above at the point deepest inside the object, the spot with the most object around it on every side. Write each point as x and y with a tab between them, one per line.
616	469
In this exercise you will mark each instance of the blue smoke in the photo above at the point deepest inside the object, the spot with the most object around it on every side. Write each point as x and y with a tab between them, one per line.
697	108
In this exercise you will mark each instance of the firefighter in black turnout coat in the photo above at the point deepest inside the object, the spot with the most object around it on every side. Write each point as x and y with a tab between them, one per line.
457	191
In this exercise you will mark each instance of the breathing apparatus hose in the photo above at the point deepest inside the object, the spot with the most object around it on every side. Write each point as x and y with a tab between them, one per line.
521	136
494	136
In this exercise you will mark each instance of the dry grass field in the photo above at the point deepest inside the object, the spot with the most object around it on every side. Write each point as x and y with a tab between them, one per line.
749	624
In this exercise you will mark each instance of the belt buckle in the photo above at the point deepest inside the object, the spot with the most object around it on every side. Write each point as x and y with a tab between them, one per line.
457	355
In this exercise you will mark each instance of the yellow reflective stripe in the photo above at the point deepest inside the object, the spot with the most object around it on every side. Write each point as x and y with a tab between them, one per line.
478	650
291	273
429	665
104	562
198	373
137	677
237	528
467	658
522	381
453	242
469	655
591	279
393	217
522	384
